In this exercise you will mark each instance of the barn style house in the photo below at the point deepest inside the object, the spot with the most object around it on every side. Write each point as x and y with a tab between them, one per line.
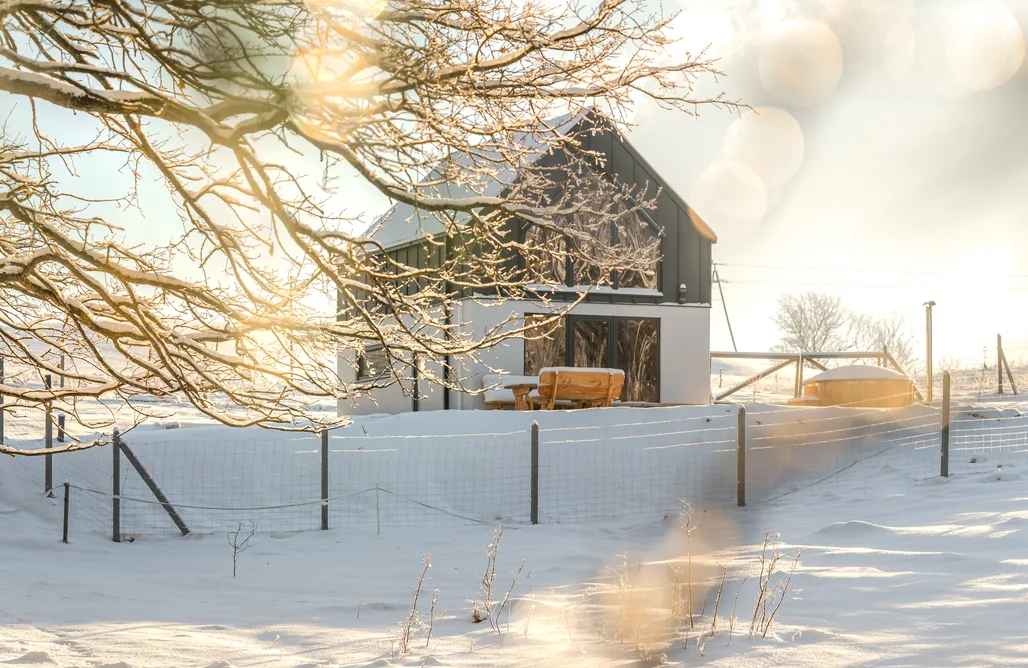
653	325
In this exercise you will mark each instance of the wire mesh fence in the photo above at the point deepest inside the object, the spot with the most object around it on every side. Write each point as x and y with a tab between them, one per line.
637	470
842	453
641	466
430	479
987	441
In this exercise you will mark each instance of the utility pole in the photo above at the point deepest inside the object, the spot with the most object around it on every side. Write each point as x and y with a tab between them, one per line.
928	350
725	306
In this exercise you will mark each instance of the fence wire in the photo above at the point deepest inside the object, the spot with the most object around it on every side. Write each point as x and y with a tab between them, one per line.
641	470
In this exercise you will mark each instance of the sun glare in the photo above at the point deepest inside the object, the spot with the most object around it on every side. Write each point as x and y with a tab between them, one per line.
984	45
800	62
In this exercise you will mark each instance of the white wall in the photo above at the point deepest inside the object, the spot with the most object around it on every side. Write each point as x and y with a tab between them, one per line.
684	344
392	399
684	354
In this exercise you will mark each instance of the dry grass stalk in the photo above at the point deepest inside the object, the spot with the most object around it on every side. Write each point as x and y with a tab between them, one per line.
487	609
735	604
431	616
717	602
410	625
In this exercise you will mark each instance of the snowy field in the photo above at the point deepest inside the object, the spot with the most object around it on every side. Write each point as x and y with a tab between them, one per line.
898	567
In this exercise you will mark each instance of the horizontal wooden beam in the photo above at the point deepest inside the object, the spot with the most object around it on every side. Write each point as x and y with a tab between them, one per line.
752	379
794	356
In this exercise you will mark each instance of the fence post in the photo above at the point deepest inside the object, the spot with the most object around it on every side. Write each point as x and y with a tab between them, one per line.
1	403
324	480
535	473
64	538
60	418
944	472
116	488
999	362
416	394
48	428
741	465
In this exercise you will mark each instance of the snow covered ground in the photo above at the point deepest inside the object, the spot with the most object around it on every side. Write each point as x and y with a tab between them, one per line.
899	568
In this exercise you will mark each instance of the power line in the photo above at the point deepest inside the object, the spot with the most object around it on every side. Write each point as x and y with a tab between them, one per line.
879	286
862	270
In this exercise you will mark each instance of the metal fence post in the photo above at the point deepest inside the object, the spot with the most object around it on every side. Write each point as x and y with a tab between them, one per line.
48	428
1	403
116	488
60	418
741	465
64	538
324	480
999	362
944	447
535	473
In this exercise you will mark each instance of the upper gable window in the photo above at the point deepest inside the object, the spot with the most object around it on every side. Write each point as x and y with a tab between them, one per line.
621	229
639	238
546	257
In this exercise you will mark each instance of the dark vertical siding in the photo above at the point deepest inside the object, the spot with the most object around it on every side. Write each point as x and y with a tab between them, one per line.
623	165
667	219
689	258
704	268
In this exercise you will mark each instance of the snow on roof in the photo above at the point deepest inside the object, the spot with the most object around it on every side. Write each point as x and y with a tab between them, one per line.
857	372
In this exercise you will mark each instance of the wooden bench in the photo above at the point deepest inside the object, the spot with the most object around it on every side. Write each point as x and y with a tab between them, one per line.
503	391
585	388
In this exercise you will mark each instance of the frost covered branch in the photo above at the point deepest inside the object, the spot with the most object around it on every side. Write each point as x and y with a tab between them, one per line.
177	182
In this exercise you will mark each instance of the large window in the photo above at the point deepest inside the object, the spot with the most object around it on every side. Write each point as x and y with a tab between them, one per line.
372	363
623	230
545	257
630	344
545	345
639	240
638	353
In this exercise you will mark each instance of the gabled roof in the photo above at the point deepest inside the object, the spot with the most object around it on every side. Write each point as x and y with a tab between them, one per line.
402	224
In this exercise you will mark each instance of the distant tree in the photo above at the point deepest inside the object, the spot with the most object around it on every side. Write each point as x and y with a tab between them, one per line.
815	321
812	321
876	333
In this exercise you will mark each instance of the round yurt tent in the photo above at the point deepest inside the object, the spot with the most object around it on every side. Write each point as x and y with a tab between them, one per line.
860	386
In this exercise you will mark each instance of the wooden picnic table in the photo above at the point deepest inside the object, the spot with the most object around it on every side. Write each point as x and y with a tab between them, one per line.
521	390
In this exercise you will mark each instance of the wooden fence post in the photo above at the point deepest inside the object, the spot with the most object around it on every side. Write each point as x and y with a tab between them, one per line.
741	464
324	480
116	489
535	473
944	437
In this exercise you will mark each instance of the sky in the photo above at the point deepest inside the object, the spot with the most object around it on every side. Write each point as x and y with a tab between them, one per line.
882	162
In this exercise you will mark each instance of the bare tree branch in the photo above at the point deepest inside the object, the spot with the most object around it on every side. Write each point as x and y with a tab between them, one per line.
186	249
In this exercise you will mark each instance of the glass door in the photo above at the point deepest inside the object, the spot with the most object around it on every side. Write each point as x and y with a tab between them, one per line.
629	344
638	354
589	343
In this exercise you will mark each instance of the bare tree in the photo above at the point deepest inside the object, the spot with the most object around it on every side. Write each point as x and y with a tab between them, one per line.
815	321
240	542
876	333
243	124
812	321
